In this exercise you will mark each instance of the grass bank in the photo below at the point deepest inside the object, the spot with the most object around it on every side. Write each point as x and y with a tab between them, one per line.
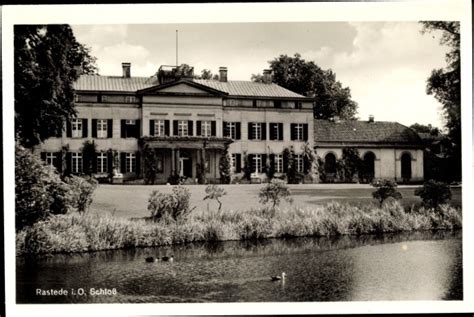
82	233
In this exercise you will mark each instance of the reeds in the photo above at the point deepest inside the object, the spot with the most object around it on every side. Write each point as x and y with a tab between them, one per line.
81	233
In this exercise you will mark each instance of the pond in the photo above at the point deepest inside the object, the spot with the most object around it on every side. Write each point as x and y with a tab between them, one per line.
409	266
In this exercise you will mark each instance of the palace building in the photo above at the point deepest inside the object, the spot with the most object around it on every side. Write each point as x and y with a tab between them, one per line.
187	122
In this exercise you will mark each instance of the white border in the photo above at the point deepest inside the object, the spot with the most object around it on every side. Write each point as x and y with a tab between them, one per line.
214	13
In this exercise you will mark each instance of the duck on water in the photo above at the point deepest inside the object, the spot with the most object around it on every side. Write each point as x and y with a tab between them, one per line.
164	259
278	277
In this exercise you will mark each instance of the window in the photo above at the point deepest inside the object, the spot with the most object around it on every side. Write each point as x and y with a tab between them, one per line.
257	163
159	127
76	162
299	131
182	127
256	131
298	105
278	163
101	162
131	99
233	162
130	162
50	158
85	98
232	130
130	128
76	128
206	128
299	163
102	128
277	104
254	103
276	131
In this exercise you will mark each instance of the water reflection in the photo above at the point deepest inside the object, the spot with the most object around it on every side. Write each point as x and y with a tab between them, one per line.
422	265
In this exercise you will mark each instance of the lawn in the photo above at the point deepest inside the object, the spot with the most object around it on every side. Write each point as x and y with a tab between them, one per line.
130	201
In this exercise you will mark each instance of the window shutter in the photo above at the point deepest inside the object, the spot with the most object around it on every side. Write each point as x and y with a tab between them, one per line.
138	164
68	163
237	131
263	127
272	161
167	127
68	129
264	163
213	128
137	129
251	162
152	127
293	127
198	128
175	127
225	128
305	132
43	156
280	131
250	131
122	162
110	125
84	128
94	128
58	162
110	161
123	129
238	163
272	127
190	127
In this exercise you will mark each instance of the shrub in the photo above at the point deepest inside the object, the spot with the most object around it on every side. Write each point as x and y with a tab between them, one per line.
150	165
215	192
385	188
81	190
174	205
88	157
275	191
289	162
247	168
434	193
39	191
224	166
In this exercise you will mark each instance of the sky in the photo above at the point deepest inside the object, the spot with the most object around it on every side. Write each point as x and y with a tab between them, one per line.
385	64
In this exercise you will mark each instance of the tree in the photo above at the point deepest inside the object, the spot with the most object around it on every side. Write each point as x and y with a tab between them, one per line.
307	78
275	191
445	85
434	193
289	162
89	157
420	128
215	192
224	166
206	74
39	191
48	60
349	165
385	188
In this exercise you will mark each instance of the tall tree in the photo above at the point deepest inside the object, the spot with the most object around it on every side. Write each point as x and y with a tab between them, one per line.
445	85
48	59
421	128
308	79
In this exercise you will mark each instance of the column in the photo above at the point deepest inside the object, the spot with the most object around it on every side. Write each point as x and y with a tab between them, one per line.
173	162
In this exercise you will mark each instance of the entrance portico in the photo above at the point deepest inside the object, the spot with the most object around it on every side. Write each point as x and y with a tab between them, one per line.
187	157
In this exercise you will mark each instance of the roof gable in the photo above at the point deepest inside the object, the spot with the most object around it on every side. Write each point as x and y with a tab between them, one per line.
364	132
182	87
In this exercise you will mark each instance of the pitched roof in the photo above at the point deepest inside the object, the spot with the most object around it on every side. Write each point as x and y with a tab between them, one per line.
249	88
353	131
112	83
133	84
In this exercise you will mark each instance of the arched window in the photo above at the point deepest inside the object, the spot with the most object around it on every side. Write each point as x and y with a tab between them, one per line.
406	167
330	166
368	172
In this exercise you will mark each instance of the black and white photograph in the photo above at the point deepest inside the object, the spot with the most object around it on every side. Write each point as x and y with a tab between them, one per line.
194	154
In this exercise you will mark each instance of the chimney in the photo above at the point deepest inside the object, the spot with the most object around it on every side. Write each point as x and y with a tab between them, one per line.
126	70
267	76
371	118
223	74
